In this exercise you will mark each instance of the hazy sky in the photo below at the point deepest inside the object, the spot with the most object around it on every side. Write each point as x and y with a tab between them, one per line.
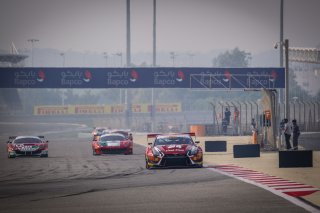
182	25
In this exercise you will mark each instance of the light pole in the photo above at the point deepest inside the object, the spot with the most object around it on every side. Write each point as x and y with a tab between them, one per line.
154	62
281	49
191	55
128	36
285	45
63	58
105	55
32	40
154	33
120	55
294	106
173	55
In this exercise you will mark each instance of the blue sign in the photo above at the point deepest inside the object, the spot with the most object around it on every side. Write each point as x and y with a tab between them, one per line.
160	77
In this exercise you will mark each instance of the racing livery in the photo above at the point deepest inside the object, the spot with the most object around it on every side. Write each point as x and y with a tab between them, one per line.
27	146
173	150
113	143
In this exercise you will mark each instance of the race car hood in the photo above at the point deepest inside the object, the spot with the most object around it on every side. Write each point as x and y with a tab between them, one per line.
28	147
174	148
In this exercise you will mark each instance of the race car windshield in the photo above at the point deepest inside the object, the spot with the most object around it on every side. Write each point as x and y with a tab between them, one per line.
112	138
28	140
172	140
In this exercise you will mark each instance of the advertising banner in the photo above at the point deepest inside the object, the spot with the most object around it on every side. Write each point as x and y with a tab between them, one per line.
104	109
159	77
51	110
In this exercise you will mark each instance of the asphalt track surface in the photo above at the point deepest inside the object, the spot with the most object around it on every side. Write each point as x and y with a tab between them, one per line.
71	179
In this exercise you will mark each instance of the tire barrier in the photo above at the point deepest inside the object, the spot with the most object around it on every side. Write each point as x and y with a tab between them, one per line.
297	158
246	151
215	146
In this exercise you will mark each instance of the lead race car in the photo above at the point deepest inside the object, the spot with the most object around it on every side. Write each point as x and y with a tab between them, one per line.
169	150
27	146
116	142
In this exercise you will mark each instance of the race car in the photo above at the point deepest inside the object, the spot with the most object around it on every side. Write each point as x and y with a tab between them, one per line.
112	143
27	146
169	150
98	130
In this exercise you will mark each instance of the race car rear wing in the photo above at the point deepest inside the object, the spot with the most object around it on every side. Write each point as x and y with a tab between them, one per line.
122	132
154	135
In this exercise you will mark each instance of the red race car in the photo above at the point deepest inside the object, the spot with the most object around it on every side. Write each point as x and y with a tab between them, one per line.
113	143
173	150
27	146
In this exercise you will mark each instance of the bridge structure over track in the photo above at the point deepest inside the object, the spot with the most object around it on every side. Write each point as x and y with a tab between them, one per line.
160	77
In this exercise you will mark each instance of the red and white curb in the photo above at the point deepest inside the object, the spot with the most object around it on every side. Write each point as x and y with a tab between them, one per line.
279	186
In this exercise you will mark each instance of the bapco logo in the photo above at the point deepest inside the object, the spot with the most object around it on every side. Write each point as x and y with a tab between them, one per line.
41	76
274	75
180	76
227	76
134	76
87	76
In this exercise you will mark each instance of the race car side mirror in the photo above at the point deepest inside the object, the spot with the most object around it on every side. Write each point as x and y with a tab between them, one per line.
197	142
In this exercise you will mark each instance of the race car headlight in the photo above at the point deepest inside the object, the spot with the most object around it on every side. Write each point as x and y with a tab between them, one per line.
193	150
156	152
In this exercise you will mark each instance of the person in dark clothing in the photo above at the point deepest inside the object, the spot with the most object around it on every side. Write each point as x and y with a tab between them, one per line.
227	115
295	134
287	133
224	126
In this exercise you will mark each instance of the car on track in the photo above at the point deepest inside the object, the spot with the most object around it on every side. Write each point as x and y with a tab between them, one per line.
113	143
27	146
98	130
176	149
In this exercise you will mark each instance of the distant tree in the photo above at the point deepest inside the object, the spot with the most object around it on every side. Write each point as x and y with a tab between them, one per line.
233	58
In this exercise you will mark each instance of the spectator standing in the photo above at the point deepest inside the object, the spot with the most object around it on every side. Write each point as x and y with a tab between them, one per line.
281	131
287	133
227	115
295	134
224	126
253	125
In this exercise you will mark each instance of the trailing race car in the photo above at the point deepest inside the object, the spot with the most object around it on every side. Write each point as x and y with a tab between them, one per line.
98	130
112	143
27	146
173	150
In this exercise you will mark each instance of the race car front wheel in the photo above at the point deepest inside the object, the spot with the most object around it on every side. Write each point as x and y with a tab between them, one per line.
94	152
11	156
147	165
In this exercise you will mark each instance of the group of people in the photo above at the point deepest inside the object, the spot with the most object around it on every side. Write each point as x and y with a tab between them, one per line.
290	129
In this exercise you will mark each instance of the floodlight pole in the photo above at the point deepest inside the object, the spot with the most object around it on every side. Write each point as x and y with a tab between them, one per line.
154	34
32	40
127	101
281	42
286	47
128	35
154	61
63	58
